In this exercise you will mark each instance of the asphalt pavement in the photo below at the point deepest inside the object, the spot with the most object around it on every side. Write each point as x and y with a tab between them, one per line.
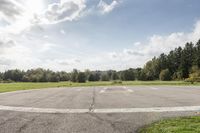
94	109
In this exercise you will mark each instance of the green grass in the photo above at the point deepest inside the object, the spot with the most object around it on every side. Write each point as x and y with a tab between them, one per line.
175	125
7	87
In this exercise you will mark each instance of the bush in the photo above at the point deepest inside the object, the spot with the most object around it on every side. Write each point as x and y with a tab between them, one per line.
194	75
165	75
192	80
8	81
177	76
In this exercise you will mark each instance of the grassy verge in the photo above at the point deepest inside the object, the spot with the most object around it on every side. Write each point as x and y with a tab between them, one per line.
7	87
175	125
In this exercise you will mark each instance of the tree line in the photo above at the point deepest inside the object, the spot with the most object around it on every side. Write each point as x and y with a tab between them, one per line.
43	75
178	64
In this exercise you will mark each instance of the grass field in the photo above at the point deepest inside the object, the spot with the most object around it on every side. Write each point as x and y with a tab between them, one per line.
7	87
175	125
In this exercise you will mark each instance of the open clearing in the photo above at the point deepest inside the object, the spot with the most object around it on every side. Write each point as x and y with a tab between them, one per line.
108	109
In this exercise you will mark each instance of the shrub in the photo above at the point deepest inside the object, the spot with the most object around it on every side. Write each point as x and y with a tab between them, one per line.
194	75
165	75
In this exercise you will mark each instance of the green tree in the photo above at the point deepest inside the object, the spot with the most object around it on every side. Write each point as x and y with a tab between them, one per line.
81	78
115	76
163	61
74	75
197	54
152	69
165	75
187	60
91	77
87	74
1	76
54	77
15	75
97	76
127	75
141	75
104	77
64	76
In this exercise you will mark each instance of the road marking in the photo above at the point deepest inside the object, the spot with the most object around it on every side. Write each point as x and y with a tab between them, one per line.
114	110
125	89
103	90
43	110
129	90
79	90
149	110
153	88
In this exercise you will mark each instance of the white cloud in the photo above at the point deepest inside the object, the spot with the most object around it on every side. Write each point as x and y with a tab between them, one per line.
22	15
162	44
18	15
19	36
67	62
40	53
62	32
10	10
5	62
157	44
106	8
5	43
132	52
113	55
23	46
66	10
46	36
46	47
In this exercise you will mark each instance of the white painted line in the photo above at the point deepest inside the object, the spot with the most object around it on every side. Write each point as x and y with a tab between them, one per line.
79	90
149	110
124	87
153	88
103	90
43	110
115	110
129	90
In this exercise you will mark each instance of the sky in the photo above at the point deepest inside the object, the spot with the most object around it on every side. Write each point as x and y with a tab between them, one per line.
93	34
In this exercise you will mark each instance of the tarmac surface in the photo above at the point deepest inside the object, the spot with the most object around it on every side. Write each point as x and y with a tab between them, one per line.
94	109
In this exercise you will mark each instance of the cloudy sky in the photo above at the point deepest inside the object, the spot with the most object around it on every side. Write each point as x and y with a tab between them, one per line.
94	34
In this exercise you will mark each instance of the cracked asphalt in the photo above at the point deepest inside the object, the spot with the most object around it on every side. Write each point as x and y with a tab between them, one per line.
93	98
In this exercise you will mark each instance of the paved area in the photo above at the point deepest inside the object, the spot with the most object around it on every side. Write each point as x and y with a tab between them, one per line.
94	109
